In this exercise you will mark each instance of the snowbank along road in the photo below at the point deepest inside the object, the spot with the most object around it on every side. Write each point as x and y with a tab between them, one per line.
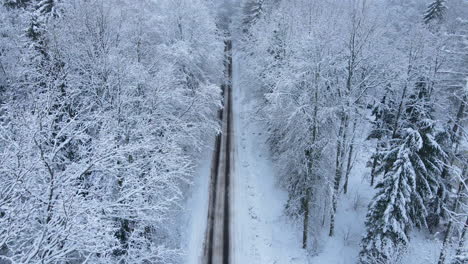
217	241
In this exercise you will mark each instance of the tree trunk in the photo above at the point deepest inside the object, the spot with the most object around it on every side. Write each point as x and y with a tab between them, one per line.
461	244
310	164
374	164
443	252
349	165
342	133
305	232
455	131
400	108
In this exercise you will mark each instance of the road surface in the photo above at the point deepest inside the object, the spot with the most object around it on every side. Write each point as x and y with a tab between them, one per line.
217	242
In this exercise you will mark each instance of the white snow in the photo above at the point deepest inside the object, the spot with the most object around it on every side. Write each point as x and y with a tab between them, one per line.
343	248
197	210
260	232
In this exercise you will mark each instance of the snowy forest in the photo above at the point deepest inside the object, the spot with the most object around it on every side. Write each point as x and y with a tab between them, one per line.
233	131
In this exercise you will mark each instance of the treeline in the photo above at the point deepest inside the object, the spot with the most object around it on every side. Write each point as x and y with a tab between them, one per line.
104	106
334	75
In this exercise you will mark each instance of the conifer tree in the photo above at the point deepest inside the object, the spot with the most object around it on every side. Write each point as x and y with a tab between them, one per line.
384	120
435	11
432	156
388	220
411	171
252	10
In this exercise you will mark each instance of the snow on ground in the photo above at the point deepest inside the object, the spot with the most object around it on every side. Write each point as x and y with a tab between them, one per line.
260	231
343	248
197	210
422	249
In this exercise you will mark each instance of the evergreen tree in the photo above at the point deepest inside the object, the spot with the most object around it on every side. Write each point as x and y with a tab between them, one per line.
432	157
17	3
382	127
252	10
46	6
435	11
411	168
388	220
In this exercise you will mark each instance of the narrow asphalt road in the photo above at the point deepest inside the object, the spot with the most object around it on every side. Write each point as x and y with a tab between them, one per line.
217	239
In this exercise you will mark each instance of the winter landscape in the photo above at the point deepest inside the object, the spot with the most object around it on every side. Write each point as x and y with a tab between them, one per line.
233	131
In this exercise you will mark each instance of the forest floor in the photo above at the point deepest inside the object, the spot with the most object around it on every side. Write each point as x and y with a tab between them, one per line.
261	232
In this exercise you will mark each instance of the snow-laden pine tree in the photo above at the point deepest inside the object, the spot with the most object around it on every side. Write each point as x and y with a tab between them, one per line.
388	220
16	3
435	11
411	169
398	204
419	113
252	10
383	113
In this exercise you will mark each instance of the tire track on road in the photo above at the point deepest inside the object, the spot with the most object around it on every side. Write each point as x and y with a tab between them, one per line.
217	241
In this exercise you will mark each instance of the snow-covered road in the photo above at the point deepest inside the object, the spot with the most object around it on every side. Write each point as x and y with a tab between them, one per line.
217	239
